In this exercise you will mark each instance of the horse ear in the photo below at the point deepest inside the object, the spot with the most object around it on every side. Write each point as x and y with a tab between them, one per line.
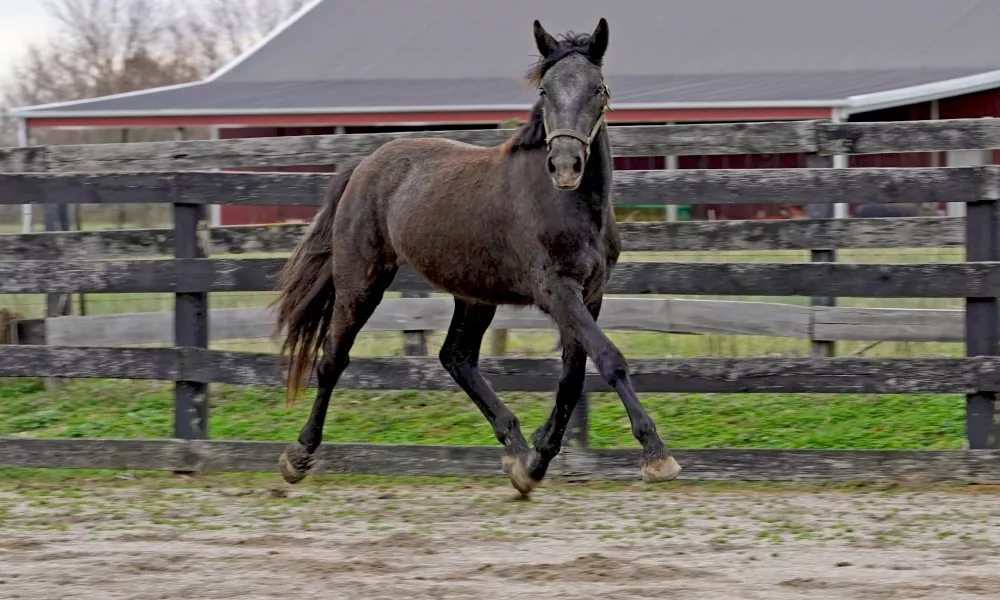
599	40
545	42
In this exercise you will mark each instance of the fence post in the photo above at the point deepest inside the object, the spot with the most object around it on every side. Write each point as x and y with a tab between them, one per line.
415	342
498	342
57	219
821	348
982	322
24	140
190	328
56	305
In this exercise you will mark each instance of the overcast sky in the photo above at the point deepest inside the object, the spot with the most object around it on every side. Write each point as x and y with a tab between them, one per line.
21	22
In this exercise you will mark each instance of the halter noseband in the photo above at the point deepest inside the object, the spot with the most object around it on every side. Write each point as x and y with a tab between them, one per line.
572	133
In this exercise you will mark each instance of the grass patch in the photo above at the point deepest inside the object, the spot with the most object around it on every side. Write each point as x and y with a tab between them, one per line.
141	409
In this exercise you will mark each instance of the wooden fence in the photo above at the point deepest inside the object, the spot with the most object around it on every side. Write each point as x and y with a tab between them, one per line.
665	315
87	262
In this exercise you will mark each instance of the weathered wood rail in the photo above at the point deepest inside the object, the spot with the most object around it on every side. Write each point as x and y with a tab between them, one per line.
175	173
665	315
198	275
841	375
982	466
694	186
820	137
677	236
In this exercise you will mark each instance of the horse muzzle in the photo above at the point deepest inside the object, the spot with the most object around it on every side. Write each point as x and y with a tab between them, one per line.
565	164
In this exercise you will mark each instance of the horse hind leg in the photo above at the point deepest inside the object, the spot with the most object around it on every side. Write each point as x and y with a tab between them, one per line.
352	309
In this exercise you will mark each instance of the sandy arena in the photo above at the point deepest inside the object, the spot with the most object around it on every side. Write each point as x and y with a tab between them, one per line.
151	540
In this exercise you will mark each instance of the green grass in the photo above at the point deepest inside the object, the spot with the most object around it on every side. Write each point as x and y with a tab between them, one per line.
144	409
129	409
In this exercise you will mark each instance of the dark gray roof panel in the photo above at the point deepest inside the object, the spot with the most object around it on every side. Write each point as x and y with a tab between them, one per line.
399	93
433	39
395	53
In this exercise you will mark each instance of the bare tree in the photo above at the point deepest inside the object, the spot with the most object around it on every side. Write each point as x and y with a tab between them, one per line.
99	47
102	47
222	29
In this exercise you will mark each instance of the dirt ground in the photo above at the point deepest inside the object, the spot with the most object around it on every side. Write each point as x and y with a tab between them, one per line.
256	540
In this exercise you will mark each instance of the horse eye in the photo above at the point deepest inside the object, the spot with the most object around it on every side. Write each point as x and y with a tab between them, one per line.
541	92
599	91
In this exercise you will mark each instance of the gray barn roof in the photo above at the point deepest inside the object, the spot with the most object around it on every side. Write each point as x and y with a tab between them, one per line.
343	55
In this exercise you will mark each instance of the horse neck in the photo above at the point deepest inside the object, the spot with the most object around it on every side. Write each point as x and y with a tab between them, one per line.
594	192
595	188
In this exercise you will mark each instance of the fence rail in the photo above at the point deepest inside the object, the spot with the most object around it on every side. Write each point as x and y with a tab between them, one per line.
191	275
820	137
155	173
687	186
841	375
972	466
665	315
795	234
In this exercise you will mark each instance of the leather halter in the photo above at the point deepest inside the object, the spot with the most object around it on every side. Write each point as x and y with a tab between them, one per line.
572	133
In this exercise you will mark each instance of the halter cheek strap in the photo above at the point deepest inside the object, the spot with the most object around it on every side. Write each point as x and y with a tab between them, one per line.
572	133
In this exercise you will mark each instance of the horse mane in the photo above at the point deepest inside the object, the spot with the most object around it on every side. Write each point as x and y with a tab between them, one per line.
531	135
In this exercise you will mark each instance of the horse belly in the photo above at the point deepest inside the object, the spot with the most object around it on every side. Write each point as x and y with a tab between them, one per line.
477	281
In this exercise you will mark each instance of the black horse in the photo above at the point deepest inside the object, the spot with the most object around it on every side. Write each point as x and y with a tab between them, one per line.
529	222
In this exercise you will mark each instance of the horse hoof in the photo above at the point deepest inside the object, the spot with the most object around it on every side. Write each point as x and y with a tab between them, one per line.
295	463
520	476
507	464
656	470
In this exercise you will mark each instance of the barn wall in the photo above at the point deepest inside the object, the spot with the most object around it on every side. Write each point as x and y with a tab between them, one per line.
252	215
982	104
246	215
741	161
967	106
913	112
972	106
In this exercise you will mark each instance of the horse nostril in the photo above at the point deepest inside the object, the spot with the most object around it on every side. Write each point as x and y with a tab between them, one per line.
551	165
577	165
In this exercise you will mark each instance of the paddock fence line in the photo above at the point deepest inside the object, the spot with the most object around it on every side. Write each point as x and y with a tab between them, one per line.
174	173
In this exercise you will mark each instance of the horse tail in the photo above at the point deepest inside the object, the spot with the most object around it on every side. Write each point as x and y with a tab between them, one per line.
306	293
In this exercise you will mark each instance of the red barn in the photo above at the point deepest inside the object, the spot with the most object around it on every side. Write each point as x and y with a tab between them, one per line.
393	65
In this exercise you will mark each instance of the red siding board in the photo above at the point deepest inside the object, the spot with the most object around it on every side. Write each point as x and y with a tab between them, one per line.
254	215
639	163
982	104
967	106
971	106
740	161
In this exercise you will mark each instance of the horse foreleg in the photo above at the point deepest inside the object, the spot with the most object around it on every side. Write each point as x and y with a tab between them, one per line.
460	357
549	435
565	304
